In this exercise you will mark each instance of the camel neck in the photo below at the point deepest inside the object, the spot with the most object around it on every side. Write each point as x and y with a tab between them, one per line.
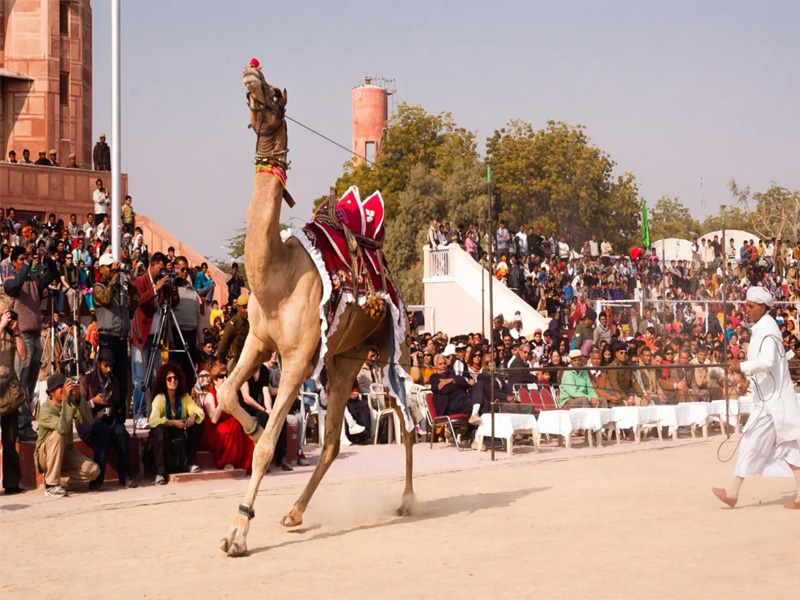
263	242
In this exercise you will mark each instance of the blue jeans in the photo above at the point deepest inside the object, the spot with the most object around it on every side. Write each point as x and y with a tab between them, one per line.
99	436
28	374
140	358
207	292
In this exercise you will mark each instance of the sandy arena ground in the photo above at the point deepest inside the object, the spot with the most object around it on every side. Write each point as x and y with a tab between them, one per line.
619	522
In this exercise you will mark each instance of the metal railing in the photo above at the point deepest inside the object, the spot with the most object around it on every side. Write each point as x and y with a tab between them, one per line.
440	263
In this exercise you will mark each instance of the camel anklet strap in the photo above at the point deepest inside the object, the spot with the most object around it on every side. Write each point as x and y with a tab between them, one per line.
247	511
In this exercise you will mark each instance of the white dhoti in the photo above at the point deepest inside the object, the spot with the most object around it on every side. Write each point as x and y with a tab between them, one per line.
760	453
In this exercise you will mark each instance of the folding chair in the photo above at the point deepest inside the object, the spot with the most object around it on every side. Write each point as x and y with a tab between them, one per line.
448	420
318	411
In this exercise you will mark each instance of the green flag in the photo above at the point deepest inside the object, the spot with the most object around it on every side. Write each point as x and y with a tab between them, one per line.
489	173
645	227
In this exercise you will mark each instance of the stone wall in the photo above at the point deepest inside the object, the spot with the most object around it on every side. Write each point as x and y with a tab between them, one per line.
42	190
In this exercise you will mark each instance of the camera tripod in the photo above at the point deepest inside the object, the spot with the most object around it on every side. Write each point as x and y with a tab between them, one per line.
162	336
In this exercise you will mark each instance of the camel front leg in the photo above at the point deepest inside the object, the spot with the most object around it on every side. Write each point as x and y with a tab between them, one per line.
253	354
408	441
342	373
235	542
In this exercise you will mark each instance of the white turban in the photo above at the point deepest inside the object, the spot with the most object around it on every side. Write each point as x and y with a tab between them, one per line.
760	295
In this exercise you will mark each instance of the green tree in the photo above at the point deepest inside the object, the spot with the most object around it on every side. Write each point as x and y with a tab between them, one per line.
775	213
671	219
555	175
735	218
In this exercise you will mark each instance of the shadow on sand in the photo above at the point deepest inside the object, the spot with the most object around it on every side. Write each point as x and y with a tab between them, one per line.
423	511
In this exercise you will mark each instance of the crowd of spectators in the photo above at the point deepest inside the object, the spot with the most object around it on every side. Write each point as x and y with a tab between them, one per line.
82	341
101	157
607	308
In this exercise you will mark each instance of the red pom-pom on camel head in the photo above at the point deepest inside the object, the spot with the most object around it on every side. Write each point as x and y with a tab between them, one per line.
254	62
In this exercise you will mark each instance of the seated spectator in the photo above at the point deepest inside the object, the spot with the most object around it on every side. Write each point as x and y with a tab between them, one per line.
204	284
685	384
102	389
451	394
223	435
255	396
54	455
576	386
422	366
520	369
357	422
648	380
176	425
607	396
43	160
622	380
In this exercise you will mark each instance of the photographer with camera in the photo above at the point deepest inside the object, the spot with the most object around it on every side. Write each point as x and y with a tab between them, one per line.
153	286
54	455
115	297
26	291
189	320
102	386
12	395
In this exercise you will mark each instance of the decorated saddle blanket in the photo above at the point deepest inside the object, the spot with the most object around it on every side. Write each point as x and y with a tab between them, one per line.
344	239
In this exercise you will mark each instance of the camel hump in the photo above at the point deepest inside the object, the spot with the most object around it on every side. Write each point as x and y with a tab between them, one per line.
363	218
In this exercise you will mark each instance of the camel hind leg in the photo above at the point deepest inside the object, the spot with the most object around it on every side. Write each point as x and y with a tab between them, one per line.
384	350
342	372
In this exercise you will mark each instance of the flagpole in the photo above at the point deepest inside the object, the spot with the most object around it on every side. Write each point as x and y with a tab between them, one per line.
116	141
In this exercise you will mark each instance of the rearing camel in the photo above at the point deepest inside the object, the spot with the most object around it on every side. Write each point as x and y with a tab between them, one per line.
284	314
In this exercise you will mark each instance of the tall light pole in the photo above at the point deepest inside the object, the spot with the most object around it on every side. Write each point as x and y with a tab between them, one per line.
491	291
116	138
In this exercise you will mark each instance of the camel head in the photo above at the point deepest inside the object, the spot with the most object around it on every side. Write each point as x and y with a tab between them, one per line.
267	116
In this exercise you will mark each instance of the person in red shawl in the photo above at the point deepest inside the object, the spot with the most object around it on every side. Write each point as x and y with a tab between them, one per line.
223	435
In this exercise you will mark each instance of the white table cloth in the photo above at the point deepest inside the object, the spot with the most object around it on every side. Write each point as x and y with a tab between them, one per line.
592	419
505	425
667	416
692	413
555	422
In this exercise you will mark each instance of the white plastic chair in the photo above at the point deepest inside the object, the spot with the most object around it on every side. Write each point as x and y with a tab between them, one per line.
380	409
316	410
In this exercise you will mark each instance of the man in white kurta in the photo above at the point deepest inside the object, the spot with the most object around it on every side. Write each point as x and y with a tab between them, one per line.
770	444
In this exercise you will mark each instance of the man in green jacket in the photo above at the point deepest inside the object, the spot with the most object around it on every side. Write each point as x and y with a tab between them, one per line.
576	387
54	455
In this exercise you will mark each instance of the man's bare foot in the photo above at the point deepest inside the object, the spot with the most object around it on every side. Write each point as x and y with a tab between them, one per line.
795	505
723	495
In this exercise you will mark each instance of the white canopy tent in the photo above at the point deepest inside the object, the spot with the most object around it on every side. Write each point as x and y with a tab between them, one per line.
738	236
673	249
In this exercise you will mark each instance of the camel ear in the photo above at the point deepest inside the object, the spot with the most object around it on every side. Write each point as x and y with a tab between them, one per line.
283	97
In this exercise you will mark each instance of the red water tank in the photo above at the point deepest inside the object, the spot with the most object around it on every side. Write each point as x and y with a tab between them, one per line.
370	113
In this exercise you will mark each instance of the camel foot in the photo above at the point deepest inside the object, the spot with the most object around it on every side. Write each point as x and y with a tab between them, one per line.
406	506
292	519
235	543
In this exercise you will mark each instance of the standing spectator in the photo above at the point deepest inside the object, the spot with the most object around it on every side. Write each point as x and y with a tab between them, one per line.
103	390
12	396
190	321
235	284
128	216
235	333
563	249
594	248
26	291
522	242
102	155
503	238
144	326
53	454
113	304
204	284
433	235
101	202
26	157
176	425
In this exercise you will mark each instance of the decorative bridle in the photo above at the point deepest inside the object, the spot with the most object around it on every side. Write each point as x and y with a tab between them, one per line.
271	104
275	162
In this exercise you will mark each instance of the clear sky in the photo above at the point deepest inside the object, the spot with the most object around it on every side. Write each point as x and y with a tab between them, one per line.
677	93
